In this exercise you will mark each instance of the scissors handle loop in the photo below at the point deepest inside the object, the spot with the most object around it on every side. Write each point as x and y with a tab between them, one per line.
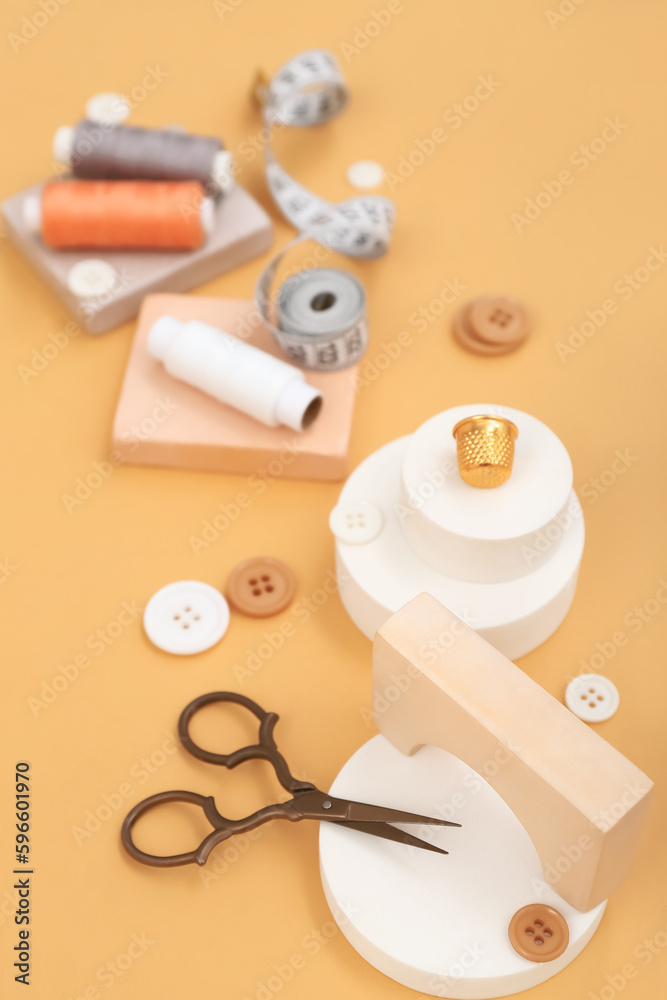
223	828
264	749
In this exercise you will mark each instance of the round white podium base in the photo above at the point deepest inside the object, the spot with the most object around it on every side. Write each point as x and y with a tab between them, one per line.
379	577
436	924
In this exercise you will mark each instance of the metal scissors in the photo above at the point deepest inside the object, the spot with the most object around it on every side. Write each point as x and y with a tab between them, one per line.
307	801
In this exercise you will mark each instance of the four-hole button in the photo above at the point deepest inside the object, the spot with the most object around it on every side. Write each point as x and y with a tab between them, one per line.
592	697
539	932
491	324
261	587
186	617
356	521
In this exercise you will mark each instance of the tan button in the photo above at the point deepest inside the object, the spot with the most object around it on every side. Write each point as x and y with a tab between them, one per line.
491	324
261	587
539	932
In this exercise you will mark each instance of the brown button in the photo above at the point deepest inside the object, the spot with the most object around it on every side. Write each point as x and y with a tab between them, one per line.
261	587
539	932
491	324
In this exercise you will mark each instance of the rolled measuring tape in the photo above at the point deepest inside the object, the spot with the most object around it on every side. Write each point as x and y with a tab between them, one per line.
319	315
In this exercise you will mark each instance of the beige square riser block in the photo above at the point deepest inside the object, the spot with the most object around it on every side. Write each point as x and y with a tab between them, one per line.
242	230
198	432
584	805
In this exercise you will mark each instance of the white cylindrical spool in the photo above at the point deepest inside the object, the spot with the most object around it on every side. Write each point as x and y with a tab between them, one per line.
438	924
484	536
378	577
235	373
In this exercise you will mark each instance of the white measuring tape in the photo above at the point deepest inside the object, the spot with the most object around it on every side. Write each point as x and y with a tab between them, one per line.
319	313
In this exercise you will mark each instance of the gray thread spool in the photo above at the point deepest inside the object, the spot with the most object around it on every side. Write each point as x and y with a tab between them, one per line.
321	317
97	151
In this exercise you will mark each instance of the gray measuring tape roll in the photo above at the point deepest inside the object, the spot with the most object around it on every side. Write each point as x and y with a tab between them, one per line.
320	314
322	319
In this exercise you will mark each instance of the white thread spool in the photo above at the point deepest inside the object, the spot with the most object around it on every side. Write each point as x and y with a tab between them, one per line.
235	373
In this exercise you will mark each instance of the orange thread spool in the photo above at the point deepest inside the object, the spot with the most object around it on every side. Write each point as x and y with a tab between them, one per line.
160	215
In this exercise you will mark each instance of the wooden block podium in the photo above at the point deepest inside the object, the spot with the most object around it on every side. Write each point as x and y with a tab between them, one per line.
436	682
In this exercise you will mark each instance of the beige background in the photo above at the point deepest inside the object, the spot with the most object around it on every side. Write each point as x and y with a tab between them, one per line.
67	575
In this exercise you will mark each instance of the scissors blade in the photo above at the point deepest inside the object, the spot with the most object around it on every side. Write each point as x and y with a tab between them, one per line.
386	832
364	812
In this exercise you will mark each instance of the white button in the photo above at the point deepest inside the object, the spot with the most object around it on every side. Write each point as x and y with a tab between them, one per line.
356	521
107	108
186	617
90	278
365	174
592	697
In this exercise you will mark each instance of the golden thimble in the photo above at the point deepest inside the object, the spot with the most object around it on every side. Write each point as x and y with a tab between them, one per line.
485	450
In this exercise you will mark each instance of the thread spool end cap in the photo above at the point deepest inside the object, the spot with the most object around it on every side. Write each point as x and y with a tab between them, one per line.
222	171
32	213
207	215
161	334
63	142
299	405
